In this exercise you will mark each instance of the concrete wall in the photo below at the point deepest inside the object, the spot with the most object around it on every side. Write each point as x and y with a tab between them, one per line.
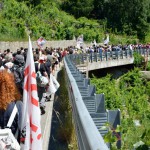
13	46
105	64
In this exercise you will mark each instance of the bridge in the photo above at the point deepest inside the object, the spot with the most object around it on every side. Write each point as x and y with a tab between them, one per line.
87	62
88	108
89	112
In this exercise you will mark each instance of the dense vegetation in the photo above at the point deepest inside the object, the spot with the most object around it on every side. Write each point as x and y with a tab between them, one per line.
131	94
91	18
43	19
131	17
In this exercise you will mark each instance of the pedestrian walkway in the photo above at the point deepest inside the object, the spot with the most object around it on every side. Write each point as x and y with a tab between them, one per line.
46	120
46	123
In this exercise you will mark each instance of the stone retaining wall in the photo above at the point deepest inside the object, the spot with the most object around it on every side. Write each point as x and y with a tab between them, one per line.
13	46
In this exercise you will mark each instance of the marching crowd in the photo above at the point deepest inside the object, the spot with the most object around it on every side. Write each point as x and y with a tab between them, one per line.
107	48
12	65
47	61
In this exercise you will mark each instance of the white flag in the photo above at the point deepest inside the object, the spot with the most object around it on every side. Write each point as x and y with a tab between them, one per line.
31	128
80	39
54	85
94	42
107	40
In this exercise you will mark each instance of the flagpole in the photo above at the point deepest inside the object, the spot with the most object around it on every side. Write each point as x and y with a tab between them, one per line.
31	124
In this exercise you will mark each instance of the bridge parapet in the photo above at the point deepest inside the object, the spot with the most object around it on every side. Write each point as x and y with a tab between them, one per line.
92	61
89	111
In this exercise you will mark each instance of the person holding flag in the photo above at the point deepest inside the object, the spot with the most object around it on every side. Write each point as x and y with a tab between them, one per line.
31	136
80	41
106	41
40	42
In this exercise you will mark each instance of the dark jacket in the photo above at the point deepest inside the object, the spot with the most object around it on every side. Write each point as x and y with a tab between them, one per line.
5	115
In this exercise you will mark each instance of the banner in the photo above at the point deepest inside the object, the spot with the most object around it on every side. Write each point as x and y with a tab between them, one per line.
79	41
31	127
107	40
41	41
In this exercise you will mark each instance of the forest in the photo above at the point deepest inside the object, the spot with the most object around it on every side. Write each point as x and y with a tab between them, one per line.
126	21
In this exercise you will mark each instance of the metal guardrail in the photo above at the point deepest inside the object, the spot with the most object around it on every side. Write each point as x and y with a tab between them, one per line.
88	135
108	55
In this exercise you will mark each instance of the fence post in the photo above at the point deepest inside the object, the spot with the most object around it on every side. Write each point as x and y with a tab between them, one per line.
116	52
87	71
106	55
91	57
95	54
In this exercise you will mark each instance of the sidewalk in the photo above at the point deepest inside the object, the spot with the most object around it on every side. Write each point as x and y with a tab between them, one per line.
46	123
46	120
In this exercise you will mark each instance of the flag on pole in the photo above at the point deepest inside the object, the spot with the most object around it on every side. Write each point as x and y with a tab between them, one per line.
79	41
94	42
30	128
41	41
107	40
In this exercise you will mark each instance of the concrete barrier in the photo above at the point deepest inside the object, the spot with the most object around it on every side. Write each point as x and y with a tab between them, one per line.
13	46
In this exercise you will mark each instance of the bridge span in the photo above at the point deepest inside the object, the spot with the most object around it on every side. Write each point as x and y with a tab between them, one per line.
87	62
89	112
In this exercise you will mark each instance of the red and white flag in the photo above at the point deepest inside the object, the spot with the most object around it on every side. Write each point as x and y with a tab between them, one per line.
40	42
31	127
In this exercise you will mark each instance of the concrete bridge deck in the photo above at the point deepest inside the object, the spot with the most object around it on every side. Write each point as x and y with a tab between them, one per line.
46	120
104	64
93	61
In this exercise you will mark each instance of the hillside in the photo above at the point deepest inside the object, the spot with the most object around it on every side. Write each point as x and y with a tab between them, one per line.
54	20
47	20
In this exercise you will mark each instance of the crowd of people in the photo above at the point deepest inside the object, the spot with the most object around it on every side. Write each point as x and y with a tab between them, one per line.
12	64
47	62
108	47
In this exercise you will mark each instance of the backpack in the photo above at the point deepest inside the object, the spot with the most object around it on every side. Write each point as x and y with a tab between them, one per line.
41	80
18	72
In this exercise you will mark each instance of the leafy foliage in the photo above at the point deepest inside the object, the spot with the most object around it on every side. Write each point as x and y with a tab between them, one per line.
43	18
79	8
138	59
130	93
130	17
18	18
112	100
148	66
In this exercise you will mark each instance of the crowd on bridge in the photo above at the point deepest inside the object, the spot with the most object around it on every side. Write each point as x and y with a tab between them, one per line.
107	48
12	66
47	61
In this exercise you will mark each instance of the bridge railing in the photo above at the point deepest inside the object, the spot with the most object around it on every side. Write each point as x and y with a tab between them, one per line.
88	136
107	55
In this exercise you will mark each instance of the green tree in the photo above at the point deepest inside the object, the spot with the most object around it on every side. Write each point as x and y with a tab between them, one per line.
78	8
130	16
98	11
33	2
